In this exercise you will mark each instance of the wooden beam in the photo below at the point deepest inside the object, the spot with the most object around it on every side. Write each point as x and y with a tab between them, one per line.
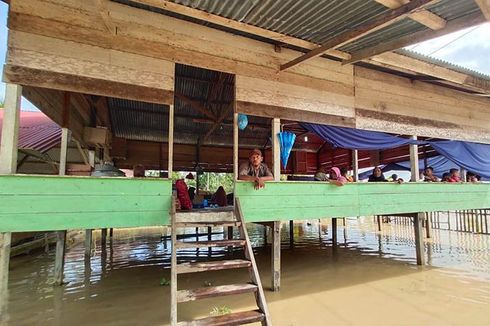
64	146
170	141
419	237
236	25
196	105
351	35
355	165
235	145
484	7
105	15
276	149
422	16
414	161
276	256
10	129
59	265
417	37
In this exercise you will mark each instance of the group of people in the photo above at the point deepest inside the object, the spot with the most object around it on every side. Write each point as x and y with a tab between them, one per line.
452	176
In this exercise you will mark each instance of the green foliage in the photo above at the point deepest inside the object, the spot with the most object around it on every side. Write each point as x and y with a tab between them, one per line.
164	282
209	181
220	311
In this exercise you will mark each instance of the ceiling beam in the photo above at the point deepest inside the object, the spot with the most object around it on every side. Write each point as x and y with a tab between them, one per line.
285	39
196	105
421	36
423	16
105	15
379	22
484	7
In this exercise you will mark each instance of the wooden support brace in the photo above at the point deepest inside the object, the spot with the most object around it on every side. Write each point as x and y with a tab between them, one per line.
276	256
59	263
419	238
88	242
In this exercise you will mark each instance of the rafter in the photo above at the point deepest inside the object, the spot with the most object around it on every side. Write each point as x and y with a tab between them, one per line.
423	16
454	25
105	15
195	105
351	35
484	7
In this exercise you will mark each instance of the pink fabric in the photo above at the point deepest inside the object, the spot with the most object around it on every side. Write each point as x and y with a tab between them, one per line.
337	173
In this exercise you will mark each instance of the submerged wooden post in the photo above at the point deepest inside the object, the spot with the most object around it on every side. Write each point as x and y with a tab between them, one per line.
428	225
59	263
276	256
355	165
334	232
378	220
8	165
88	242
414	161
419	238
103	237
291	233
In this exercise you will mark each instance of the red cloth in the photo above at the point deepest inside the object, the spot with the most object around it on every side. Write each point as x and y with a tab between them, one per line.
183	195
454	179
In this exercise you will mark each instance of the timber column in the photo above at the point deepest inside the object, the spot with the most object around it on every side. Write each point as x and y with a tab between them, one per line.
8	165
276	228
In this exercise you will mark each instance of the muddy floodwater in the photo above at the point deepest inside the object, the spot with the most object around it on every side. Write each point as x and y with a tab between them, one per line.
370	279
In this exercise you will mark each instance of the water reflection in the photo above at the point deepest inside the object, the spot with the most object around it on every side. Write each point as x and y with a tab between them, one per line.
120	282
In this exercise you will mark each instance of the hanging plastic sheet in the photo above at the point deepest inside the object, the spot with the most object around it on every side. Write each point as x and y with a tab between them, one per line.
286	142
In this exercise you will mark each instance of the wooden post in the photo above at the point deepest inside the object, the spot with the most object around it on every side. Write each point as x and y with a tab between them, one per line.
8	165
276	150
91	158
291	233
103	237
235	145
59	264
65	134
428	225
171	141
419	238
334	232
88	242
355	165
276	256
378	219
414	161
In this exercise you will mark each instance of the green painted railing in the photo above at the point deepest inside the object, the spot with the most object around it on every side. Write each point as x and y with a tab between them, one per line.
42	203
311	200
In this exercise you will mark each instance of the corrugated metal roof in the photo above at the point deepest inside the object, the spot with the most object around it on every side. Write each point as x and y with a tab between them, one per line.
442	63
36	132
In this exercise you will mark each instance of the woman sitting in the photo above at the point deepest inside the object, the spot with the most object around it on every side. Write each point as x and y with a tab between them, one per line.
377	175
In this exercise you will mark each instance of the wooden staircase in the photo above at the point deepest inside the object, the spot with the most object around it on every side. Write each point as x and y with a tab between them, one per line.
207	219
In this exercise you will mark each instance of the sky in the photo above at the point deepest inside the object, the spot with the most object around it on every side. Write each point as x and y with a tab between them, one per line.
469	48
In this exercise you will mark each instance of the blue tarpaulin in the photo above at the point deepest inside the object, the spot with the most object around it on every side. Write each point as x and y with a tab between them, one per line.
473	157
350	138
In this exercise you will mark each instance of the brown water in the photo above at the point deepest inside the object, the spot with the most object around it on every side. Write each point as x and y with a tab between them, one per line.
370	279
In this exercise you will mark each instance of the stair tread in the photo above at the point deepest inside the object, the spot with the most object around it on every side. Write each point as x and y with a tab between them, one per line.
214	291
208	223
211	243
237	318
212	265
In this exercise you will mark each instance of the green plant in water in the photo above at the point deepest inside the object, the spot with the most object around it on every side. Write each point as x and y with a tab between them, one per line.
220	311
164	282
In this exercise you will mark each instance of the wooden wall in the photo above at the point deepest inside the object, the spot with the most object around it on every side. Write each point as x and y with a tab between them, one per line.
37	203
120	51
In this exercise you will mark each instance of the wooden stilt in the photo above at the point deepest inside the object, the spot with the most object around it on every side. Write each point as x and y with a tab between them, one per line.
59	263
103	237
428	225
276	256
334	232
8	165
378	218
111	232
88	242
419	238
291	233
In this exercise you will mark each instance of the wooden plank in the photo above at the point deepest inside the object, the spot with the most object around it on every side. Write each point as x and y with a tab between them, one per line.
235	143
276	257
422	16
206	224
212	266
484	7
414	160
379	22
65	134
417	37
214	291
232	319
214	243
355	165
170	140
10	129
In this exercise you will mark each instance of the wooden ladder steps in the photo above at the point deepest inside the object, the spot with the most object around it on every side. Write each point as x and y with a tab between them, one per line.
237	318
209	224
212	265
212	243
215	291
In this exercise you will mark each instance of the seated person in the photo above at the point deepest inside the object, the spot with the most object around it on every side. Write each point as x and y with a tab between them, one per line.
343	172
219	197
336	178
454	175
429	175
254	170
377	175
446	177
321	174
192	193
472	177
394	178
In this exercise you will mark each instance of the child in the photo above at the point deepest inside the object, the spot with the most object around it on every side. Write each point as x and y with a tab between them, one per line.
454	175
